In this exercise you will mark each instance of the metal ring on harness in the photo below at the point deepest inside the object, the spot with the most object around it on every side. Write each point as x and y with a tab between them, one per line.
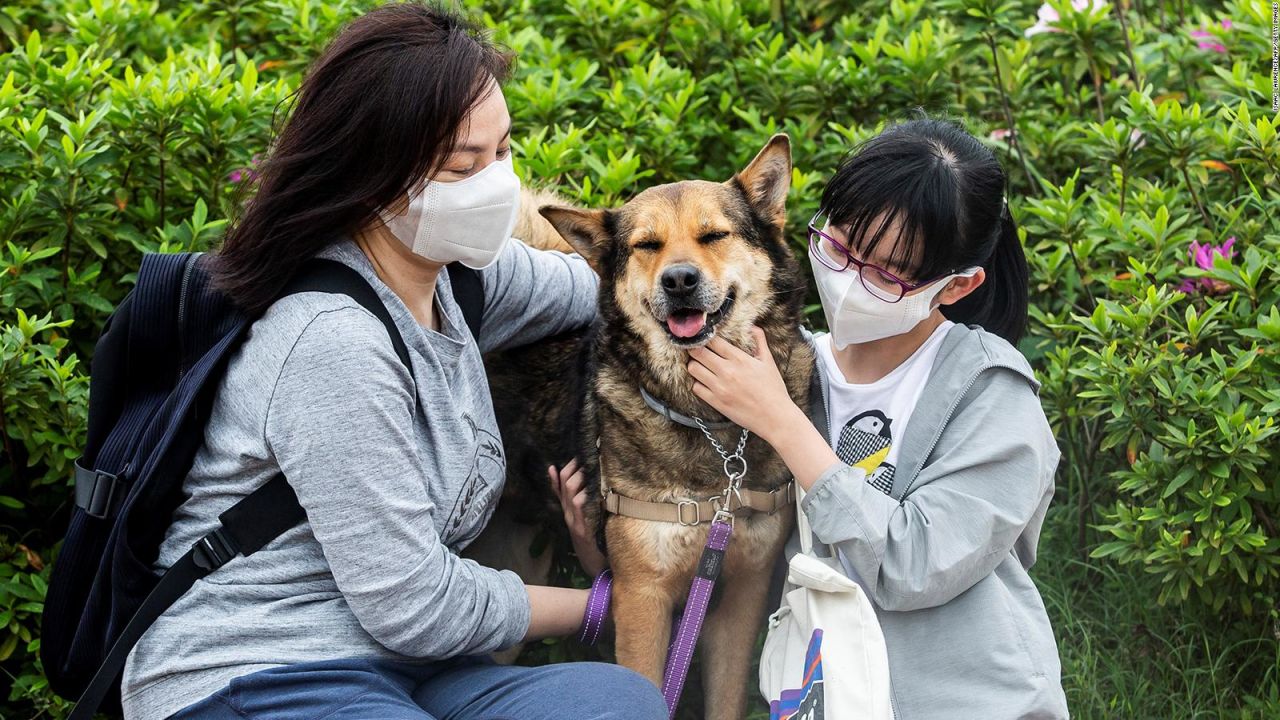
734	476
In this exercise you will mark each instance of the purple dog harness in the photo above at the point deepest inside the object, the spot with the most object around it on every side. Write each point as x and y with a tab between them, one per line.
686	632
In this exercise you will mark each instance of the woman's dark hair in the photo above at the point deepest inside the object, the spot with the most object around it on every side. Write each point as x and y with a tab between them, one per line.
944	193
376	113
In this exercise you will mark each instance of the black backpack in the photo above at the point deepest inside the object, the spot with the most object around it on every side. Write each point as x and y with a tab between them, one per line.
156	367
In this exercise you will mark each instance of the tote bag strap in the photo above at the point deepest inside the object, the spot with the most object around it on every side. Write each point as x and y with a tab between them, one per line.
807	536
806	532
802	523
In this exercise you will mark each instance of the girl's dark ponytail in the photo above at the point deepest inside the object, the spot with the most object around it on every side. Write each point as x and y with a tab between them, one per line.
999	305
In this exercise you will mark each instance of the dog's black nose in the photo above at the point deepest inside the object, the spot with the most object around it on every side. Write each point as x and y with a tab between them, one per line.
680	279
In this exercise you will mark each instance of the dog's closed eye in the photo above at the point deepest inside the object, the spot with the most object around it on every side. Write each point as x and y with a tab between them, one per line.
647	245
709	237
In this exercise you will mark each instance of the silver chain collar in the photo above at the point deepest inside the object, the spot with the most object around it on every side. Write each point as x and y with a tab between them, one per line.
734	475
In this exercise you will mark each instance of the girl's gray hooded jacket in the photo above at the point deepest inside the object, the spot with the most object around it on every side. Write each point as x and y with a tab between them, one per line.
944	557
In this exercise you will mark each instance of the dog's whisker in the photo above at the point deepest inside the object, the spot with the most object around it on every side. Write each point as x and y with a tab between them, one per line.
786	291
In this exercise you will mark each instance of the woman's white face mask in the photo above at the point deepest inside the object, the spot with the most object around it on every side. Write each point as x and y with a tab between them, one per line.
855	316
467	221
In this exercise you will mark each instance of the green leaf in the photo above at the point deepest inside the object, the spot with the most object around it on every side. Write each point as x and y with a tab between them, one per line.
1110	548
33	52
7	647
1182	478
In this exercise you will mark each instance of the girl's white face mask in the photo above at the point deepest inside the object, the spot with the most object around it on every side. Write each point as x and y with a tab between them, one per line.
854	315
467	221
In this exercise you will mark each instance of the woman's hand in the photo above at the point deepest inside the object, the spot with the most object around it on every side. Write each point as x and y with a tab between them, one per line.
747	389
569	485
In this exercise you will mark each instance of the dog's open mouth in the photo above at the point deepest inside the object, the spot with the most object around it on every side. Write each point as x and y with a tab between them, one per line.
689	327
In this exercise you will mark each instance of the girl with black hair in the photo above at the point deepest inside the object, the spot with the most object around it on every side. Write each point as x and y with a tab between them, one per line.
395	161
926	458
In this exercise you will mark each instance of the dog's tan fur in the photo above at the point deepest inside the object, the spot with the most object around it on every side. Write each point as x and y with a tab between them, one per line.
534	229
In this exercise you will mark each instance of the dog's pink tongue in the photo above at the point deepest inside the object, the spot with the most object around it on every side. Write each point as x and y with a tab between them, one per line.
686	325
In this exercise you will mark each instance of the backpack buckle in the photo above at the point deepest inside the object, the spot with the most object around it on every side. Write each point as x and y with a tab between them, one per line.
95	491
214	550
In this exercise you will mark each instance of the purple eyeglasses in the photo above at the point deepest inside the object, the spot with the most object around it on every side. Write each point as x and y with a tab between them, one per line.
879	282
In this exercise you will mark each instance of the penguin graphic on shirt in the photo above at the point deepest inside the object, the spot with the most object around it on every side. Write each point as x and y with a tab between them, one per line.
864	443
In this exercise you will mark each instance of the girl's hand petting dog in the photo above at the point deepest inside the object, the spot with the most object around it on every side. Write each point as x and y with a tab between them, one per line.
569	485
749	390
746	388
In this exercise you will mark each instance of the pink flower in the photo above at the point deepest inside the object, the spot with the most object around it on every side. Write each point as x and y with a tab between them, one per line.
245	173
1205	39
1202	256
1137	139
242	175
1001	134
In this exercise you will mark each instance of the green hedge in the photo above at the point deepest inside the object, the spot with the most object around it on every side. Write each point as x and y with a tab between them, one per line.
1144	163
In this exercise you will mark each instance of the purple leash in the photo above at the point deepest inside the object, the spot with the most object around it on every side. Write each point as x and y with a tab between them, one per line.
685	636
597	608
695	611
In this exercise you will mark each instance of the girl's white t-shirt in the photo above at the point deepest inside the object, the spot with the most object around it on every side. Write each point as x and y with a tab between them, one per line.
867	420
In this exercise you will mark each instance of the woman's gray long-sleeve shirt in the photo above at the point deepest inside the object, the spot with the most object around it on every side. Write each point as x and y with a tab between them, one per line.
396	472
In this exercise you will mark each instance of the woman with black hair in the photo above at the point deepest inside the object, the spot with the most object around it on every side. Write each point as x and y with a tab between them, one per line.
395	161
926	458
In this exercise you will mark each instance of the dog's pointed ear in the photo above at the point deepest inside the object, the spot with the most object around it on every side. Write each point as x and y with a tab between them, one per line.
767	179
585	230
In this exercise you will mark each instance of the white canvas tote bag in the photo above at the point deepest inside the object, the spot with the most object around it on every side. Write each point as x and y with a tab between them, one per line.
824	657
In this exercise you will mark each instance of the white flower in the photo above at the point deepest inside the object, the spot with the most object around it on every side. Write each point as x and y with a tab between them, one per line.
1047	17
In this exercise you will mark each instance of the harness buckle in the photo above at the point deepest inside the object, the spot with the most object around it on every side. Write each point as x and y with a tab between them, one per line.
697	512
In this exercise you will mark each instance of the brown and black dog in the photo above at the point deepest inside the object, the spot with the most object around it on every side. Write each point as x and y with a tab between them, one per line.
678	264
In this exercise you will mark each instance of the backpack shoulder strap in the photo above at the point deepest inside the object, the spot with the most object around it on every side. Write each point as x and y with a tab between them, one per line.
331	276
468	290
322	275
